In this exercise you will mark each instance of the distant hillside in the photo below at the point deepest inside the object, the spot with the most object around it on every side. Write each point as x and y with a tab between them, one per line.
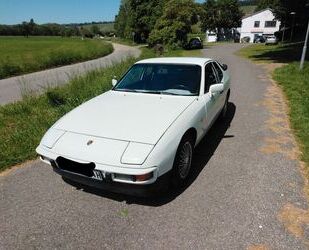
104	27
248	9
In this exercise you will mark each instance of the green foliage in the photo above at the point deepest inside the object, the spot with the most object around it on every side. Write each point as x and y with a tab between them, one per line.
283	8
221	14
173	27
248	9
138	17
263	4
20	55
31	28
104	28
95	29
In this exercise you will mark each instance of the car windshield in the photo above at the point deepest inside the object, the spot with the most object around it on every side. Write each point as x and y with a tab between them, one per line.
168	79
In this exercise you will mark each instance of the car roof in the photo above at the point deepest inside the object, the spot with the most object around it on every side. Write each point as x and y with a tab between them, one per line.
177	60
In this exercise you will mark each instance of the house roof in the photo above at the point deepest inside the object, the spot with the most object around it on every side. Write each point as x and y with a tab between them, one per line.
258	12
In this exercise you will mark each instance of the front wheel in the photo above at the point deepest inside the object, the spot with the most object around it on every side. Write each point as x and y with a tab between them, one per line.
182	162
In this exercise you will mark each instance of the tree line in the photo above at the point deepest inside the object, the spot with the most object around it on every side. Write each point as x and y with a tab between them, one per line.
32	29
53	29
170	22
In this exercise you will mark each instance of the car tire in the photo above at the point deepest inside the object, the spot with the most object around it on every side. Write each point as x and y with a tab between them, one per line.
225	107
182	163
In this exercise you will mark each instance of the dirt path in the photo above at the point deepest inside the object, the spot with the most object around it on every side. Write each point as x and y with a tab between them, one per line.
246	190
12	89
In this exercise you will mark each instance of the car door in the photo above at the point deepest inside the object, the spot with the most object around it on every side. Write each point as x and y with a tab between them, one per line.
220	79
210	101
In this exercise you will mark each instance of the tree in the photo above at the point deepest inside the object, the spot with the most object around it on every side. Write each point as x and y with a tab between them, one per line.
263	4
138	16
220	15
95	29
122	20
284	8
25	29
173	26
31	25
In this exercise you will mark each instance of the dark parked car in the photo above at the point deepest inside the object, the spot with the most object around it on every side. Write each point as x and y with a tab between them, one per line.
195	43
245	39
259	39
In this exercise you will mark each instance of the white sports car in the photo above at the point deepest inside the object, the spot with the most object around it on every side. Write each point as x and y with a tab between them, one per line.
143	130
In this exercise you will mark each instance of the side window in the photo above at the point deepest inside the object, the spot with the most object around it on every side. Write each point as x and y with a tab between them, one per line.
210	77
219	71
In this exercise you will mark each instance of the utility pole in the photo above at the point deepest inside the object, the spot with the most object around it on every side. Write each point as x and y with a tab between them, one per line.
303	55
293	24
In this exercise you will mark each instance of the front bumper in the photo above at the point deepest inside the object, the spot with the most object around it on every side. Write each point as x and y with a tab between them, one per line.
159	186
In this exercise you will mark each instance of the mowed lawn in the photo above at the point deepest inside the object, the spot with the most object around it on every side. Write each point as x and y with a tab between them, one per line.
19	55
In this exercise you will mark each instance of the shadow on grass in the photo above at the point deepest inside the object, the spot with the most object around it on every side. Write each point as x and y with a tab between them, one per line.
279	54
202	155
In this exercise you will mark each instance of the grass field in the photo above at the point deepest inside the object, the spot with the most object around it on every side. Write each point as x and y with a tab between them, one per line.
23	55
23	124
294	82
103	27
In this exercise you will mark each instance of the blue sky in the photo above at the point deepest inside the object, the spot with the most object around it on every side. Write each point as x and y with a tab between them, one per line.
58	11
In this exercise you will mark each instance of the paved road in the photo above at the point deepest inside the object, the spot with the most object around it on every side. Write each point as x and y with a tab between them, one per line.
245	186
12	89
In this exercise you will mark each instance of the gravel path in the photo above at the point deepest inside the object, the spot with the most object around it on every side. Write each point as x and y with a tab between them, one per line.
12	89
246	191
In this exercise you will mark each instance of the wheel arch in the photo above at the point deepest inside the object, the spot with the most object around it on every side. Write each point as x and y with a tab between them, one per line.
191	132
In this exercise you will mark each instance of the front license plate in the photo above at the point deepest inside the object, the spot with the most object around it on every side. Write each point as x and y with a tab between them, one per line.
98	175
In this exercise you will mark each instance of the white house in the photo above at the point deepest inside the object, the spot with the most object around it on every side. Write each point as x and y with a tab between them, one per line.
260	23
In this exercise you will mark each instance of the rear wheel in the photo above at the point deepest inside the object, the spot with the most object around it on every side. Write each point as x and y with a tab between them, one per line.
182	162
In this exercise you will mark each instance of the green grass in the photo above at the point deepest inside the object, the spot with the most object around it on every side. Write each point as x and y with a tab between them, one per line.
21	55
273	53
23	124
294	82
295	85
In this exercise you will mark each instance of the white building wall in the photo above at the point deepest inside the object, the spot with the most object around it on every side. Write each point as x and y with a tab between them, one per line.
248	29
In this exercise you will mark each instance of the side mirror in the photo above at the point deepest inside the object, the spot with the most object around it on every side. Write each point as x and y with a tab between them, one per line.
216	89
114	82
224	67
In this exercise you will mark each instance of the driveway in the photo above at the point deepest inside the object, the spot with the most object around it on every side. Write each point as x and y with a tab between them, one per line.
246	190
12	89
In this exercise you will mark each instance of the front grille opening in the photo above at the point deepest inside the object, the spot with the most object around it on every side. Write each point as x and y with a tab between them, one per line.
76	167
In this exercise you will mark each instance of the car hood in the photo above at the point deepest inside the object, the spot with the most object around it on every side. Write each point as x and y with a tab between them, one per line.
135	117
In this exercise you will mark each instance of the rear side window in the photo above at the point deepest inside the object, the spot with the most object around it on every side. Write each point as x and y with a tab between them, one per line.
210	77
219	71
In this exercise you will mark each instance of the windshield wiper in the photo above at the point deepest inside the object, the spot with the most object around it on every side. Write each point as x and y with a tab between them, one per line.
126	90
150	92
168	93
